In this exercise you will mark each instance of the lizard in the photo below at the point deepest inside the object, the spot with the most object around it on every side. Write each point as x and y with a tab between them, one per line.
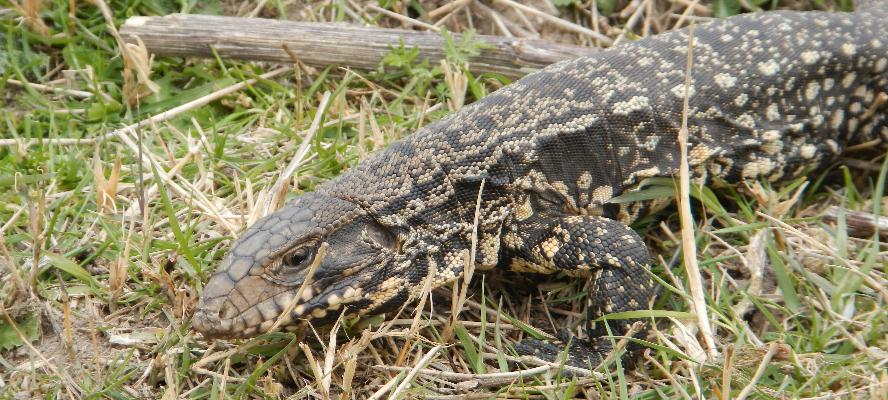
771	96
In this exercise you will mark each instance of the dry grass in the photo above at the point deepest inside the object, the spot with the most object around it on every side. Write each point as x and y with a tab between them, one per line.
102	272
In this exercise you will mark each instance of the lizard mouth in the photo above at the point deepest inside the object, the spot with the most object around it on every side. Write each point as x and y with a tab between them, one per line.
225	311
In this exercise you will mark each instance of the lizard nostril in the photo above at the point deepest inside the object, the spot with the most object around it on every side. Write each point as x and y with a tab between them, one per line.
228	310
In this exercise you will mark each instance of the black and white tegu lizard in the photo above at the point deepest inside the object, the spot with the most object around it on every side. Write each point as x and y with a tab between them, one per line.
772	95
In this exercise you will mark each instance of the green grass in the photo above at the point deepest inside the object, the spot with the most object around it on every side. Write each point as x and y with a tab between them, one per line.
103	295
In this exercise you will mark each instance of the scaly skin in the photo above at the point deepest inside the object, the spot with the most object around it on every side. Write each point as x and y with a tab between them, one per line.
773	95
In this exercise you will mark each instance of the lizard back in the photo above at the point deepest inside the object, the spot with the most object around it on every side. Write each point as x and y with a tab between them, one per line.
770	96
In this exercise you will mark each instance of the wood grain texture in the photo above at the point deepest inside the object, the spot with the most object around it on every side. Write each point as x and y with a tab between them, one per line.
323	44
860	224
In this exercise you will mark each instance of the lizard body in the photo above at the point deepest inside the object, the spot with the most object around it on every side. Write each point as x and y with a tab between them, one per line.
772	95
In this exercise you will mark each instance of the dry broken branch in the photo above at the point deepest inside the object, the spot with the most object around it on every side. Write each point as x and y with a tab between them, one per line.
323	44
860	224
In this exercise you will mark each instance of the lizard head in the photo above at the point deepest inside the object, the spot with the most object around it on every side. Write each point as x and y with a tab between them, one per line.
261	276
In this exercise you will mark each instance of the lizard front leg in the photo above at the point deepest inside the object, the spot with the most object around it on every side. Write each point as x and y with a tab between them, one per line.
609	252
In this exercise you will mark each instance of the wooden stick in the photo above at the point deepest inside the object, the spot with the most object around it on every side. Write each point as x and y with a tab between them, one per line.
860	224
323	44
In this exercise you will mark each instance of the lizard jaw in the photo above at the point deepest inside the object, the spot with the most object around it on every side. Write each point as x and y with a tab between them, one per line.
224	312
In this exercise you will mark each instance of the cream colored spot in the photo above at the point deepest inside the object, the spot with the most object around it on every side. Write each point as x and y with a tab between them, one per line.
835	121
852	126
550	246
285	298
746	120
650	143
773	112
698	155
602	194
392	286
810	57
771	135
636	103
757	167
512	240
860	91
610	259
833	146
725	80
881	64
773	147
679	91
489	250
740	101
849	49
849	79
648	172
769	67
808	151
812	90
524	210
585	180
351	294
307	294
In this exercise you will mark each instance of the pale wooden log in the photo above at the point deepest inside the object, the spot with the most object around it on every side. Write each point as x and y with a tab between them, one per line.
860	224
323	44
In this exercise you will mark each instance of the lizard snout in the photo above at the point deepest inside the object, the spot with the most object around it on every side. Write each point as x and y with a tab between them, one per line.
250	306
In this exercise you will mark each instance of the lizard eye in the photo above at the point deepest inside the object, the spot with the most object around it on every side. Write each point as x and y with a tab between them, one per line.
297	258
